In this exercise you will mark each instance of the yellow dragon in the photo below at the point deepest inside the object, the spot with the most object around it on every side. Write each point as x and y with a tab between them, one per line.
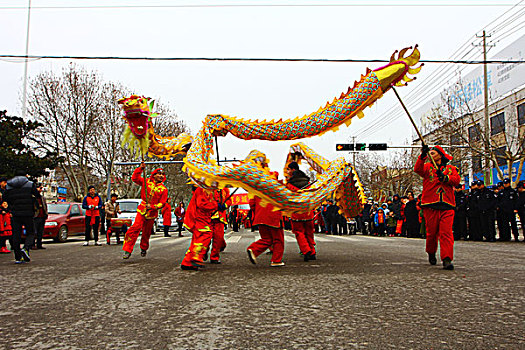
337	177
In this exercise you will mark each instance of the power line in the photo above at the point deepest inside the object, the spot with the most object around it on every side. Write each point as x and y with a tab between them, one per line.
347	60
394	112
364	4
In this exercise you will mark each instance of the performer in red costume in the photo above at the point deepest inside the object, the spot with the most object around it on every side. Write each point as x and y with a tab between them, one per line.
198	221
218	221
154	196
438	202
302	223
271	231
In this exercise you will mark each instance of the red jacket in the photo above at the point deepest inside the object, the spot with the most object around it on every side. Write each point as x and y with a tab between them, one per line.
179	213
166	215
220	196
436	193
200	209
300	216
5	224
157	194
265	215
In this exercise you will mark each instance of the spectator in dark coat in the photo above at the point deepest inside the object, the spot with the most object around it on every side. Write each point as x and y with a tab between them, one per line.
412	217
332	217
20	195
40	218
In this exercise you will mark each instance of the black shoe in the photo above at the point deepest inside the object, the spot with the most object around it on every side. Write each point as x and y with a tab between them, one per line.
432	258
312	257
307	256
126	255
25	255
189	268
167	235
40	247
181	236
447	264
143	253
215	261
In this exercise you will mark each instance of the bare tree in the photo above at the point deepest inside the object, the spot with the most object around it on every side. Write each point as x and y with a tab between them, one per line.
384	175
67	106
83	123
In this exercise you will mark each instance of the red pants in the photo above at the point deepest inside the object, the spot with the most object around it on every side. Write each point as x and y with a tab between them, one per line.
141	223
438	224
218	242
304	234
271	237
200	241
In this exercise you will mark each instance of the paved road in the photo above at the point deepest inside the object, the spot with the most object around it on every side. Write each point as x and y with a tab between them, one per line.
362	292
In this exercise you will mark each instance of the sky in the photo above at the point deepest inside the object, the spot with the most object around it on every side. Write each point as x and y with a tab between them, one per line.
251	90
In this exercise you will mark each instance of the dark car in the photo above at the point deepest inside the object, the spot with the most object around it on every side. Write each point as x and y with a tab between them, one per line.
64	219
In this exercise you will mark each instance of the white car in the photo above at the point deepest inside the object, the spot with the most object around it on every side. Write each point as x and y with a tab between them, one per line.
128	209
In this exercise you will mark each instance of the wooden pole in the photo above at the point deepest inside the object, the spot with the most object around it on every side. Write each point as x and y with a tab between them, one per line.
414	125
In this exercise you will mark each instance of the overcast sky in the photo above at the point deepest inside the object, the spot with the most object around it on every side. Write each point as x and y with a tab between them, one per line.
252	90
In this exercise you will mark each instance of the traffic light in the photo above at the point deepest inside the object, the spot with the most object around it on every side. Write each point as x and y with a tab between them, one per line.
377	147
360	146
344	147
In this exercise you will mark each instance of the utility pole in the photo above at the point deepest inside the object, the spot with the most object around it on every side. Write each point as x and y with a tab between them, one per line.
486	123
24	97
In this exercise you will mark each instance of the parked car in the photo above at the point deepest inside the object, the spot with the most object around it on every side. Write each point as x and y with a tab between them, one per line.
65	219
128	208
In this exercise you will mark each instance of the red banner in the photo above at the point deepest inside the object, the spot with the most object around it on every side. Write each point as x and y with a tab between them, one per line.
238	199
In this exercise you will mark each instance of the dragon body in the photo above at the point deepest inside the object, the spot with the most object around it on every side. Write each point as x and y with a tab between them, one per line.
337	177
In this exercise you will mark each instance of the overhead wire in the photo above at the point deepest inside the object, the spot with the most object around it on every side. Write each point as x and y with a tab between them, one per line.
430	82
364	4
395	112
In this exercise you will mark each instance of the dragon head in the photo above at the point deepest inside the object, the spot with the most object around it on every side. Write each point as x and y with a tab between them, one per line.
138	118
395	73
137	114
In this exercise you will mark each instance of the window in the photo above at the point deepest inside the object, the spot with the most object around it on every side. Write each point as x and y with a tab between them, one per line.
74	210
500	155
476	164
455	139
474	133
497	123
521	114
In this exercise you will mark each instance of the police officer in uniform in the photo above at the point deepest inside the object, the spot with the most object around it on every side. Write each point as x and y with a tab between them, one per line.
460	216
487	206
474	231
508	202
499	217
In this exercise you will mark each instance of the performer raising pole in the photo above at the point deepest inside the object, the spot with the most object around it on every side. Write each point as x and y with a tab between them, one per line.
153	197
438	200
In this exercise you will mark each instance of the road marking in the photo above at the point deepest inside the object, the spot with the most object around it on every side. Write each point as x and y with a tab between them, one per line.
289	239
322	239
234	239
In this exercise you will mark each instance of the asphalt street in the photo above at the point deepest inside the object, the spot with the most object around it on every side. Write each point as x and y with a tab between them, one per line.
362	292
